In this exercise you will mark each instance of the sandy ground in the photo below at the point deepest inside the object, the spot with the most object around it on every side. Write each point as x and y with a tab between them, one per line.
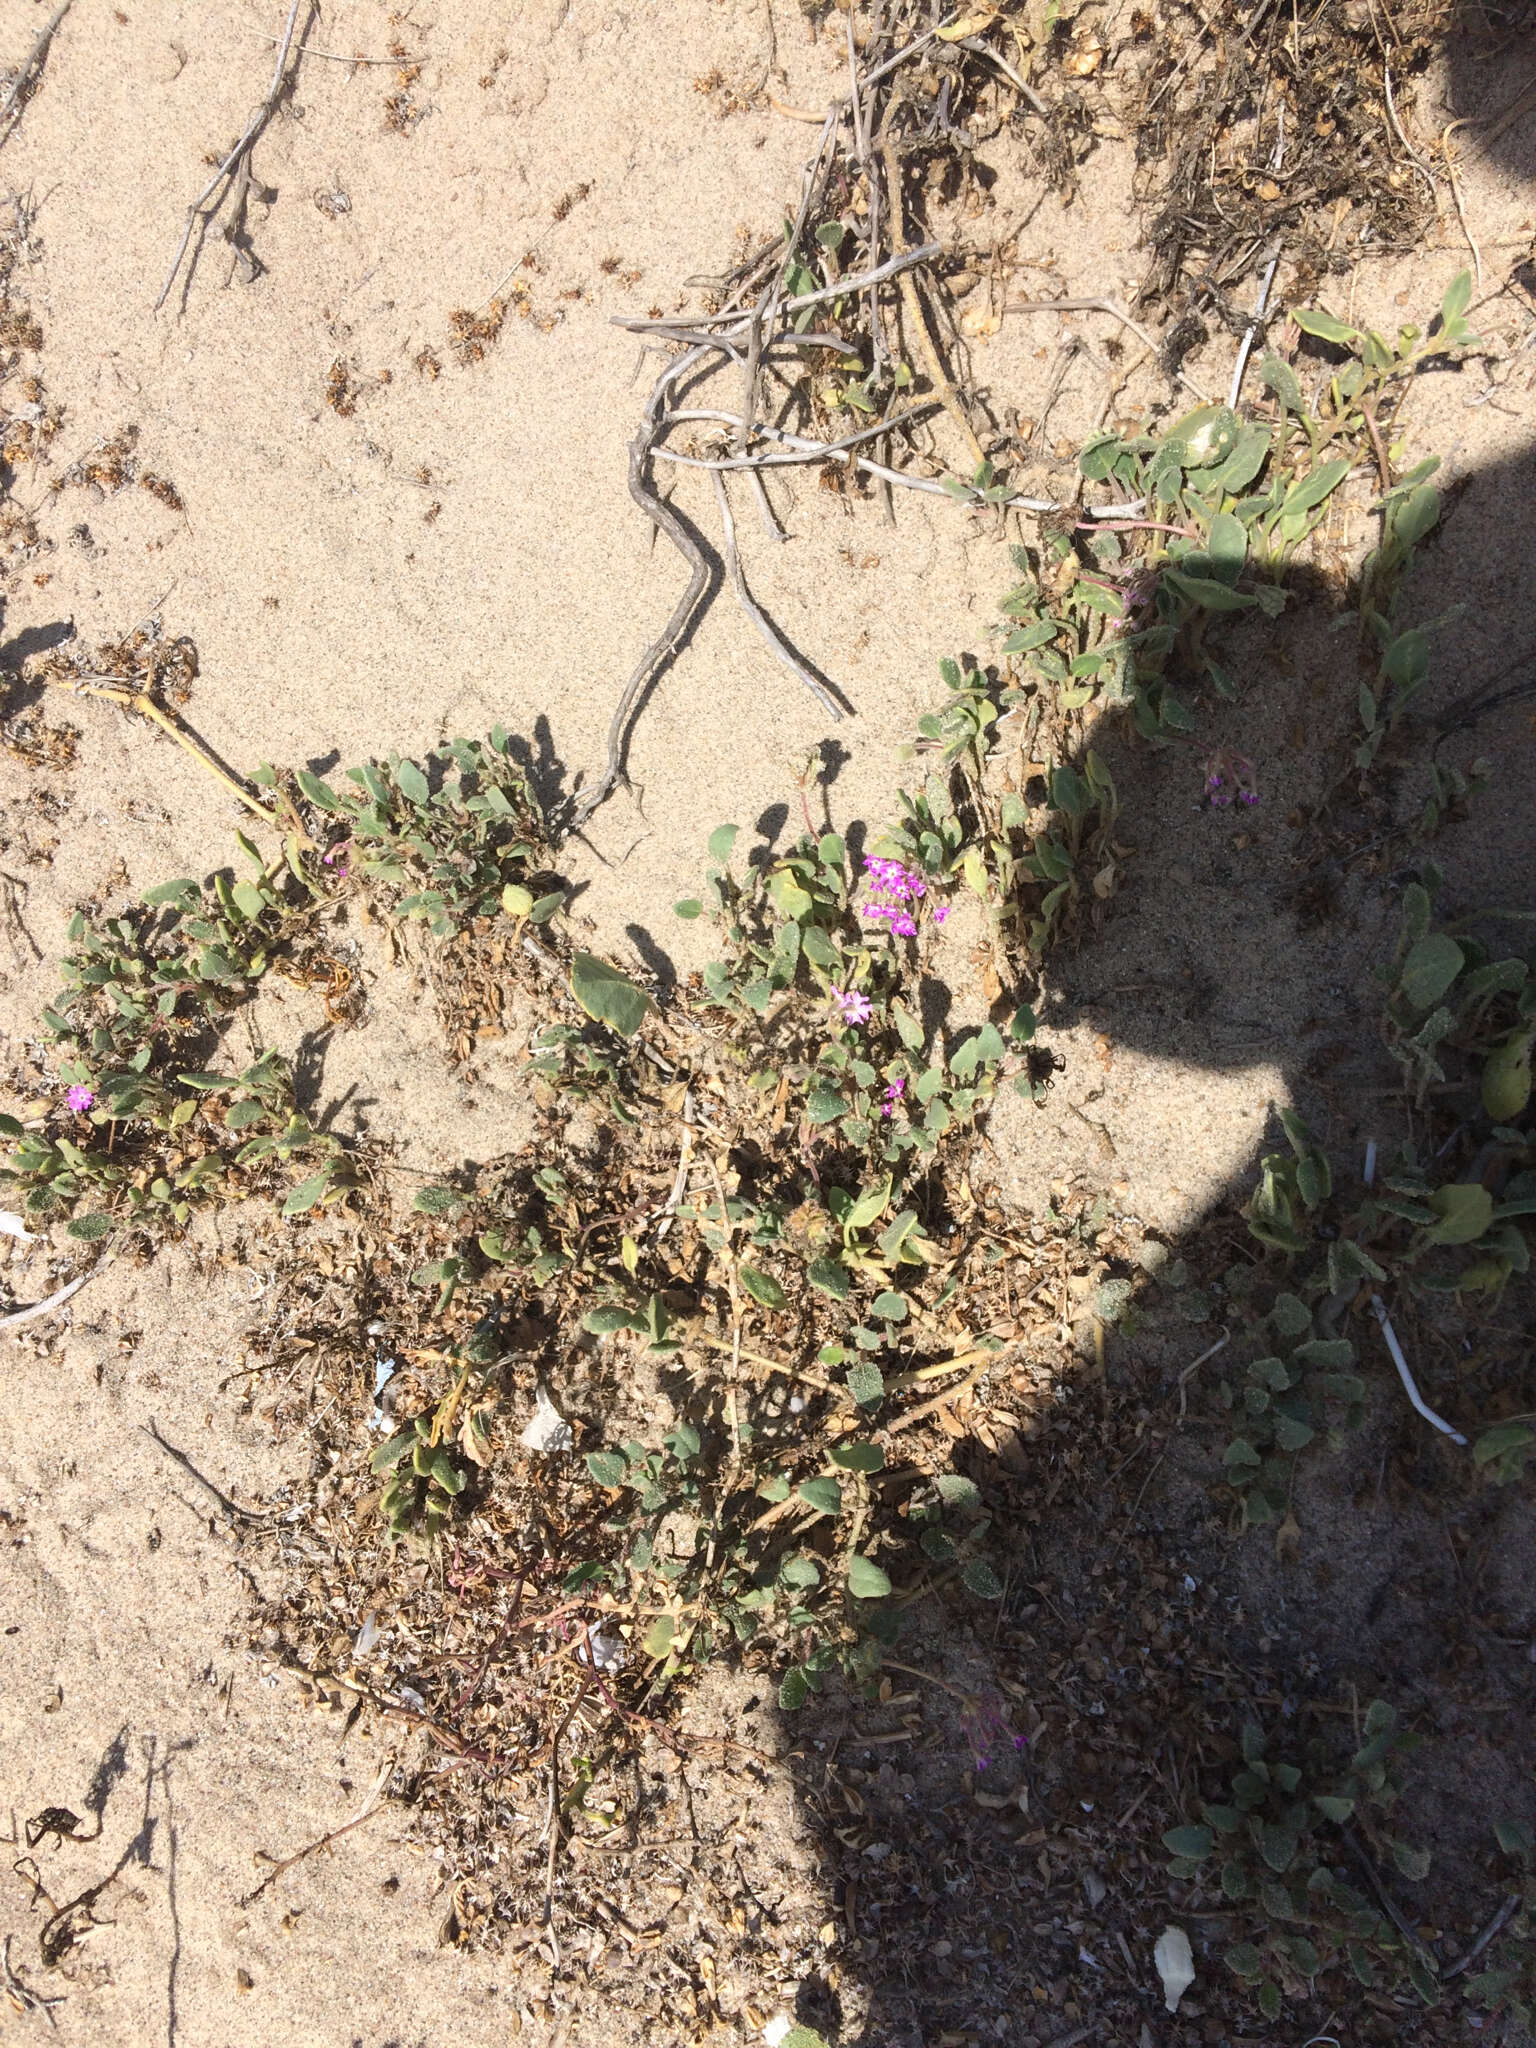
459	549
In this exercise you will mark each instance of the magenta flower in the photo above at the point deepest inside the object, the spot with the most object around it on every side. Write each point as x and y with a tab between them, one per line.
985	1721
851	1006
1229	779
337	858
894	891
893	1094
79	1099
940	912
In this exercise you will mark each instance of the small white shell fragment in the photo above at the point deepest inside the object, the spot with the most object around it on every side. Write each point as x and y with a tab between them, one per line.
548	1431
367	1636
1175	1965
12	1226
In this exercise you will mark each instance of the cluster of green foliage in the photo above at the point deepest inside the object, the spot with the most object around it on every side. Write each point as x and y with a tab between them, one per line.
1295	1395
1448	1004
1271	1847
149	992
1116	612
454	837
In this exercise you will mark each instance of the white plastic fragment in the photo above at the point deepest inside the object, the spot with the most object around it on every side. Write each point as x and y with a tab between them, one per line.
603	1650
1378	1308
367	1636
548	1432
1175	1965
12	1225
42	1308
384	1370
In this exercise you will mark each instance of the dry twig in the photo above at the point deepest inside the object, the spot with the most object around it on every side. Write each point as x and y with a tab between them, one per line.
29	72
234	174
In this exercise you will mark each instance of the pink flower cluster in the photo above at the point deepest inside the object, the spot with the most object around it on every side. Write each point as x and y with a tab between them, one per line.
79	1099
894	893
851	1007
1229	778
893	1095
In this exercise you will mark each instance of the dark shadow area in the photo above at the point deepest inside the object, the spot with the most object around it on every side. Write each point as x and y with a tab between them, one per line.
542	764
1141	1627
658	962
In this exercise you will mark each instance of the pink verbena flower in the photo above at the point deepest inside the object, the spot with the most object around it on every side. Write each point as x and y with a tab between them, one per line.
1229	779
851	1006
894	893
893	1094
79	1099
985	1721
940	912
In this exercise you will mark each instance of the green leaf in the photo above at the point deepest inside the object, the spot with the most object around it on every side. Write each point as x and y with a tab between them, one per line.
1333	1808
762	1287
1208	593
608	996
866	1581
1313	320
824	1106
1458	296
1194	1842
870	1207
607	1467
1500	1441
986	1044
307	1194
90	1228
1227	546
1290	1315
866	1383
1413	1863
721	840
800	1571
831	1276
320	794
1278	1846
437	1201
979	1578
794	1687
1322	482
657	1640
516	901
185	894
1244	1960
1465	1209
956	1491
412	784
858	1457
1277	375
603	1322
1291	1434
824	1495
1433	963
890	1306
389	1454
